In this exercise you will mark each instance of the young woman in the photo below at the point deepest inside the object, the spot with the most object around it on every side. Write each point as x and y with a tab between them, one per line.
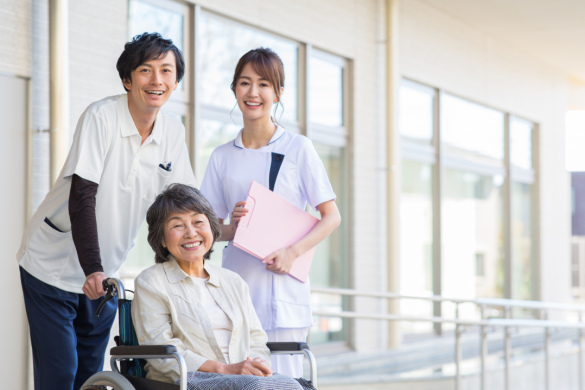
288	164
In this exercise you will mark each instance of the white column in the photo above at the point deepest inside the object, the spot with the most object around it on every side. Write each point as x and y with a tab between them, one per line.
59	84
393	164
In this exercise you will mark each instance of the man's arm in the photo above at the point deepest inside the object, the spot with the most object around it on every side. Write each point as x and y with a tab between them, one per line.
85	234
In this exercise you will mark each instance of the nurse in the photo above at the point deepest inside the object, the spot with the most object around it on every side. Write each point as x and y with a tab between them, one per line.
288	164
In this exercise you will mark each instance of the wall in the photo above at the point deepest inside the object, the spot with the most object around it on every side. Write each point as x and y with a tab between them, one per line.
13	159
15	60
447	53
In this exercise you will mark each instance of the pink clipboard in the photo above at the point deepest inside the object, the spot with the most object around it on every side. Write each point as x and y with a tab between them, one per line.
272	223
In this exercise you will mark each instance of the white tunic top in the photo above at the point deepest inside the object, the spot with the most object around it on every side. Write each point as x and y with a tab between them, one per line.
281	301
106	150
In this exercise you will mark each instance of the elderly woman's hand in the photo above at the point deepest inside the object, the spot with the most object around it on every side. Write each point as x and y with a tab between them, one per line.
257	367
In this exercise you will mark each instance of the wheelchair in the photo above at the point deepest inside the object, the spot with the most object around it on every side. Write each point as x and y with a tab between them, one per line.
131	375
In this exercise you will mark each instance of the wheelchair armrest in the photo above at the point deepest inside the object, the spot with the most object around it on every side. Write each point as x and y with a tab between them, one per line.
143	350
286	346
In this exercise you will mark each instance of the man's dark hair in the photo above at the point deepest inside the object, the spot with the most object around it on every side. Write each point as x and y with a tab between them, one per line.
177	198
146	47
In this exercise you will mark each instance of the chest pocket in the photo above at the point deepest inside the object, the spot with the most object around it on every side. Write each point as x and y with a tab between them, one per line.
156	184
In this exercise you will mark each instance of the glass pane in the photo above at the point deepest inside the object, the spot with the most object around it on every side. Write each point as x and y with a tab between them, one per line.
139	257
472	259
325	93
329	267
416	114
523	264
416	243
145	17
210	135
521	143
223	42
471	130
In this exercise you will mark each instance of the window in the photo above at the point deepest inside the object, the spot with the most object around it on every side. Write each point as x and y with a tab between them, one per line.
416	242
327	118
223	42
523	209
468	217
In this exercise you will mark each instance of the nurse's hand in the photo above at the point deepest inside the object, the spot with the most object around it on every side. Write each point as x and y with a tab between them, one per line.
281	260
93	287
239	211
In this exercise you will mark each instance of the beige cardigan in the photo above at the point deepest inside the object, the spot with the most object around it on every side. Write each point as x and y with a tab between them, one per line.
165	310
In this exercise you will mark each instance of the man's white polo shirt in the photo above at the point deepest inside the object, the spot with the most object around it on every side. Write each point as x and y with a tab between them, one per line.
106	150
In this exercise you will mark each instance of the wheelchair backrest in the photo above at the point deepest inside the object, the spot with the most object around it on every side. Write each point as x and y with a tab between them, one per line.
128	337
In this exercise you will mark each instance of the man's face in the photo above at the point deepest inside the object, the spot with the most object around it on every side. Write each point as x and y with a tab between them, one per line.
151	83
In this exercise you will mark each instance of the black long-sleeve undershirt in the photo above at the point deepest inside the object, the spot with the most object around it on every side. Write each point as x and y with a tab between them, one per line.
84	225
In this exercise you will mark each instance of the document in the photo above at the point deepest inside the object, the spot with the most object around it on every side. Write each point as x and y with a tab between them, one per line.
273	223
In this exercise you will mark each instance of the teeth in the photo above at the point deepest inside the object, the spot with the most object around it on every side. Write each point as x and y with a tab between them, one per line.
252	104
155	92
195	245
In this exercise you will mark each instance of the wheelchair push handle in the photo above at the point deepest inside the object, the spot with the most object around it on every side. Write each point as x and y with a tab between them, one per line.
112	287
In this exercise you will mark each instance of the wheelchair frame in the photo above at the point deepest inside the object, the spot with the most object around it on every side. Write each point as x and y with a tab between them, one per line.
120	353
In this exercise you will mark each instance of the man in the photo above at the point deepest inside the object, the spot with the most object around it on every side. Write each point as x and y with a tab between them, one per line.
124	152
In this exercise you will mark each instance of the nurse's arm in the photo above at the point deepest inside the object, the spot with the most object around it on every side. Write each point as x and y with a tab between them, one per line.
281	260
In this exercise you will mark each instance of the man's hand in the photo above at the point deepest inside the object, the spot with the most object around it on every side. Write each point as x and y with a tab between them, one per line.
92	287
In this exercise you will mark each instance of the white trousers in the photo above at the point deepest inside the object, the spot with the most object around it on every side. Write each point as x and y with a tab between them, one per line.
289	365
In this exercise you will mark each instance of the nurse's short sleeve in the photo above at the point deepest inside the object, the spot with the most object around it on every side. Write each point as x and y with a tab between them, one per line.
89	148
313	178
212	188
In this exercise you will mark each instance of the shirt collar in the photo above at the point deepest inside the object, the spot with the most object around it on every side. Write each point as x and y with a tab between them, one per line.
275	137
176	275
129	128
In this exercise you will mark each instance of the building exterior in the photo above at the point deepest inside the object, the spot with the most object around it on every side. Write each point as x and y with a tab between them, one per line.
443	138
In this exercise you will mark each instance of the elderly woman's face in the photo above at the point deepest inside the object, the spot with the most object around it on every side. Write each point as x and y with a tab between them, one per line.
188	236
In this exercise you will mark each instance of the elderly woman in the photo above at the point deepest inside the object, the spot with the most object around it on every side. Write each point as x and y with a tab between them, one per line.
204	311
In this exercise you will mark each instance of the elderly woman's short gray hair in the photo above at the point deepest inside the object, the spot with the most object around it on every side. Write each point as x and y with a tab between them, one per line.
177	198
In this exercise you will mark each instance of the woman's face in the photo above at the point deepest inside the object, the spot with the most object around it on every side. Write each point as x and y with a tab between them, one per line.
188	236
254	94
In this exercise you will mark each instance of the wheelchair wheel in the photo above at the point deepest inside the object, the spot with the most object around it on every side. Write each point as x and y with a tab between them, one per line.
107	380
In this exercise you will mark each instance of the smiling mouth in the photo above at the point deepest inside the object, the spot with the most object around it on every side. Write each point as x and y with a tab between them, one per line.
252	104
157	93
192	245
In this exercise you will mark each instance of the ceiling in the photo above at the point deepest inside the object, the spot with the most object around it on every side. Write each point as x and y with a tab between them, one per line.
551	30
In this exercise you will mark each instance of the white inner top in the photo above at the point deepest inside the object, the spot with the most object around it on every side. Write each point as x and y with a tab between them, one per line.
220	322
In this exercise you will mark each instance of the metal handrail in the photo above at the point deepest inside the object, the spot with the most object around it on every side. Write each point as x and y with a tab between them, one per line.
496	302
484	324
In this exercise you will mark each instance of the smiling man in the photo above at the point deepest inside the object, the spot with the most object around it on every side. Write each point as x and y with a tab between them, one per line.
124	152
